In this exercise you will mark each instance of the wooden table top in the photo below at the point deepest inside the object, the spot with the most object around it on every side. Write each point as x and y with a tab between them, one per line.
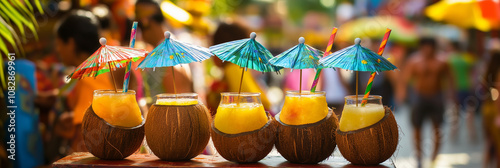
85	159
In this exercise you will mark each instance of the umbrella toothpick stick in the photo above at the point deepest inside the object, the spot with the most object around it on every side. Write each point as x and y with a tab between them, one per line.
300	85
241	82
112	76
356	88
173	80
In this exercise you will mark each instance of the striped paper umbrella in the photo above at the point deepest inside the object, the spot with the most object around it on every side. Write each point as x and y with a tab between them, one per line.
106	58
357	58
301	56
246	53
172	52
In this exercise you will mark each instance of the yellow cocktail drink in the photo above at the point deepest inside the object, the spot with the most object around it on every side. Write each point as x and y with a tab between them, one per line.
234	118
117	108
357	117
304	108
237	116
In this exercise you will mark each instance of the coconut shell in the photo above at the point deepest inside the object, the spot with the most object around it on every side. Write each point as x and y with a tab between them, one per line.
308	143
246	147
110	142
370	145
175	133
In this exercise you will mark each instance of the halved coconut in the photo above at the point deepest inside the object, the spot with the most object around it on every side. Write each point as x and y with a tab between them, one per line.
370	145
308	143
109	142
246	147
177	132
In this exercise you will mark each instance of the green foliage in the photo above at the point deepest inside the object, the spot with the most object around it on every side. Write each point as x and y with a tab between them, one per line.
16	17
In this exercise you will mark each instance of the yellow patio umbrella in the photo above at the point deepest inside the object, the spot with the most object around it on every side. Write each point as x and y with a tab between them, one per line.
462	13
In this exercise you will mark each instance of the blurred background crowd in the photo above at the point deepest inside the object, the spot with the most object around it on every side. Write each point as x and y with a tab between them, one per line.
447	52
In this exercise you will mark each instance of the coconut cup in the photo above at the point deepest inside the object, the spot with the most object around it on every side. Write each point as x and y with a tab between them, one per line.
177	132
308	143
370	145
109	142
247	147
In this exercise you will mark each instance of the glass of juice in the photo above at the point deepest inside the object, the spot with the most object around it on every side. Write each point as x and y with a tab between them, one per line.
357	116
238	113
113	127
304	108
306	128
117	108
368	132
177	126
242	131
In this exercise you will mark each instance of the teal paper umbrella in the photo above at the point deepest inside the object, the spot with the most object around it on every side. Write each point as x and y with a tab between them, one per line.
301	56
357	58
172	52
246	53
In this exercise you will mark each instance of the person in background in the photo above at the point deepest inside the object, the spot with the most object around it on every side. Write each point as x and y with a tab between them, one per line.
491	107
152	26
335	86
77	38
427	101
336	89
462	66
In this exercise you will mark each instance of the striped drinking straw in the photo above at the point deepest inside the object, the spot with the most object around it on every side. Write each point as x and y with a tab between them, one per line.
129	65
372	76
328	51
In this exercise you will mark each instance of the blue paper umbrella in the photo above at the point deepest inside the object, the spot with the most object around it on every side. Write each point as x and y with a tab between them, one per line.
301	56
246	53
172	52
357	58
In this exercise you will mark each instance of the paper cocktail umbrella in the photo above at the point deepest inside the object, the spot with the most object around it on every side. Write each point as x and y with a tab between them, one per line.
172	52
301	56
357	58
106	59
246	53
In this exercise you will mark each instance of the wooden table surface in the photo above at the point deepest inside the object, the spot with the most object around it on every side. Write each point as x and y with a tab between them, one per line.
85	159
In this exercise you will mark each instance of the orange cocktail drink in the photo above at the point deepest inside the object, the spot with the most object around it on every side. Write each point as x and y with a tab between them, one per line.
117	108
240	113
304	108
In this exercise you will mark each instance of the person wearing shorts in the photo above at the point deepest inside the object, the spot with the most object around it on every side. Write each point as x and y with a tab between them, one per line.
427	107
426	72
